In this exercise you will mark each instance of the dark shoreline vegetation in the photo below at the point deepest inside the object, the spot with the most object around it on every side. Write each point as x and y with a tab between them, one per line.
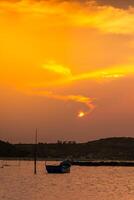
117	148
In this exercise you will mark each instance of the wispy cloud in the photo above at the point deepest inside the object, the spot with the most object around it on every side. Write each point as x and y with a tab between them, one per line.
104	74
68	77
57	68
87	101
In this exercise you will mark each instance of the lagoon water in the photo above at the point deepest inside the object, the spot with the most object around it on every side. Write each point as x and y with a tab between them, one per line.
17	182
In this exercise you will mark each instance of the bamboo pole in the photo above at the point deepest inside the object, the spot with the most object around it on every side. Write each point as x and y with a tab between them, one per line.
35	153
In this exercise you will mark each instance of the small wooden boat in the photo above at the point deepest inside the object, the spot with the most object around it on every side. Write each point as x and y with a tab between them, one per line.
63	167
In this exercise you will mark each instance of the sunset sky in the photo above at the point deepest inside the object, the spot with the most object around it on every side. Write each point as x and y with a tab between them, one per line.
67	68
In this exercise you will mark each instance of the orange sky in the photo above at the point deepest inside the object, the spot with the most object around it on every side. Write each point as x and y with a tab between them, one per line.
66	67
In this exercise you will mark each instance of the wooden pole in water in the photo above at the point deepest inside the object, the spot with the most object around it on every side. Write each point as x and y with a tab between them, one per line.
35	153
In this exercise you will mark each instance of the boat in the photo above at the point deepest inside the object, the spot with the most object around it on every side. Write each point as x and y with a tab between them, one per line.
63	167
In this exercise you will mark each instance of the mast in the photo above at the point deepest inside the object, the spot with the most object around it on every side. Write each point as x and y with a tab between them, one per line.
35	153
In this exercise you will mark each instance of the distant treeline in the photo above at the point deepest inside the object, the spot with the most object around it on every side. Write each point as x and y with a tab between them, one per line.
120	148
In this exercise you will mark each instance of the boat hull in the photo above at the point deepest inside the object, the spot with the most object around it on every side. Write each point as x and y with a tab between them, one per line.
57	169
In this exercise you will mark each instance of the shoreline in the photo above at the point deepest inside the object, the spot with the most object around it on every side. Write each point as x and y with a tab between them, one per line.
93	163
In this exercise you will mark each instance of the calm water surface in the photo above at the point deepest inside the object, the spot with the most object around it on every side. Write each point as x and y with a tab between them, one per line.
83	183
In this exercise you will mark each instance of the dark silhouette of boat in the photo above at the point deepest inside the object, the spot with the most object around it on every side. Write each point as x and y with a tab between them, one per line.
63	167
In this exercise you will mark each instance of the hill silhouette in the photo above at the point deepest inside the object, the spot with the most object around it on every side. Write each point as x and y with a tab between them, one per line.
10	150
116	148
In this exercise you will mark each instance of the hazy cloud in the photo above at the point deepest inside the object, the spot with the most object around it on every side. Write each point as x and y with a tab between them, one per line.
105	18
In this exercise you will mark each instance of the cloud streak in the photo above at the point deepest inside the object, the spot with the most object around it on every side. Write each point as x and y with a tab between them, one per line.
68	77
86	101
57	68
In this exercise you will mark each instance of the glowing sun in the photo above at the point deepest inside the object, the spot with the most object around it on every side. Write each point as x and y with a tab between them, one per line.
81	114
